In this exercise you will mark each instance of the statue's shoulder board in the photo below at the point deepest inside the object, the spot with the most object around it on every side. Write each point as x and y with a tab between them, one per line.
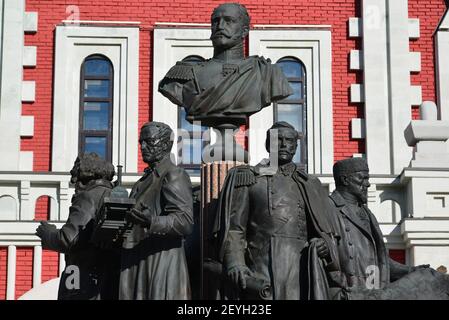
245	176
262	59
181	71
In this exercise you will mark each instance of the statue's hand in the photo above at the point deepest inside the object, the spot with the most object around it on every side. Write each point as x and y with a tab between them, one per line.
136	217
421	266
44	230
321	247
237	275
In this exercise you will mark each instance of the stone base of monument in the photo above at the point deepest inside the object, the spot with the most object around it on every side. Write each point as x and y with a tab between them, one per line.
424	284
212	179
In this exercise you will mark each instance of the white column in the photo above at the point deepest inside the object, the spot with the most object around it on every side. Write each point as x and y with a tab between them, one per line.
1	41
26	212
37	266
376	93
400	90
64	201
11	83
11	278
61	263
442	69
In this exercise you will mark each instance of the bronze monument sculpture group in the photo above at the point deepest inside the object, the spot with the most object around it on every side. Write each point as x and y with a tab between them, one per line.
276	232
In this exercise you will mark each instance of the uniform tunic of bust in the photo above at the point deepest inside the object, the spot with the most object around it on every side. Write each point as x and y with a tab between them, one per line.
215	92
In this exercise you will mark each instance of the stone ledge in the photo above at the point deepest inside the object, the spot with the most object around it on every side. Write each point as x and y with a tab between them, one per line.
30	22
357	93
426	130
413	28
355	27
358	128
29	56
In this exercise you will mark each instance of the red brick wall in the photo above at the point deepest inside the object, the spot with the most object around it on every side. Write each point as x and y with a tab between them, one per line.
42	211
429	13
24	270
329	12
3	271
50	265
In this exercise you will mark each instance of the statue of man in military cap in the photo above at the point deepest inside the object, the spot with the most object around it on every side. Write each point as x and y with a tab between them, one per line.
367	271
229	87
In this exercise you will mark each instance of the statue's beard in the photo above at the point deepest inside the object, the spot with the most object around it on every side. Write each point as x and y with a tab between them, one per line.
155	156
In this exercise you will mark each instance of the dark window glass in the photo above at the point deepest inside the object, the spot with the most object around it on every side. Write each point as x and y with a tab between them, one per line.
95	133
96	116
97	67
293	109
96	88
289	113
289	67
97	145
192	143
298	94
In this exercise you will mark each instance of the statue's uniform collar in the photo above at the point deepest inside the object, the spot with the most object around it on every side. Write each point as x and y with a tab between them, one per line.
341	201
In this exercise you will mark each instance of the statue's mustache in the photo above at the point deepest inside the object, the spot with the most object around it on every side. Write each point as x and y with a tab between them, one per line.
220	33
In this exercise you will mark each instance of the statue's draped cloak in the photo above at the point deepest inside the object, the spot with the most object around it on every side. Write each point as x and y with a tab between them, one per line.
313	275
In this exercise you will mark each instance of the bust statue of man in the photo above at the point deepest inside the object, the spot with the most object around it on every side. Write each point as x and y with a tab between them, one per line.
227	88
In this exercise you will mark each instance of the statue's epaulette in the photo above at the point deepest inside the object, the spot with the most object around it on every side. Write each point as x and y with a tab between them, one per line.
244	176
263	60
181	71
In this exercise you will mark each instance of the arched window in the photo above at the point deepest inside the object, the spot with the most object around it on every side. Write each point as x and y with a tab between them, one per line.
95	130
192	145
293	109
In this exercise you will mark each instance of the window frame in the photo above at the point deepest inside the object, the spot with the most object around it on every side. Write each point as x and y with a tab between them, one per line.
83	134
301	102
313	46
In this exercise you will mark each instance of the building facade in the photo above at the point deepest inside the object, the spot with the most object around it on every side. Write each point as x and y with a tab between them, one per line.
371	79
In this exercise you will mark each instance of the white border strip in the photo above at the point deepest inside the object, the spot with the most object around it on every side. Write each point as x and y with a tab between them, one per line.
11	277
37	266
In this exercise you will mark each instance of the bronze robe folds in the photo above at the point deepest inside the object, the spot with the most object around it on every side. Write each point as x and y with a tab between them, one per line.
154	264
